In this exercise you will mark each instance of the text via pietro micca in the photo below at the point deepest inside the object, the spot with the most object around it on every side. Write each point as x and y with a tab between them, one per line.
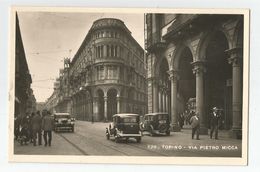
192	147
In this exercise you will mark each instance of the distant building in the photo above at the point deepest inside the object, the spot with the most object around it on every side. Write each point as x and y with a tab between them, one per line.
52	101
196	57
40	106
106	76
24	98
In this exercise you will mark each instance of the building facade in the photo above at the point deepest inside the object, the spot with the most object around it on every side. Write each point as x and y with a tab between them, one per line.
51	103
196	57
106	76
25	102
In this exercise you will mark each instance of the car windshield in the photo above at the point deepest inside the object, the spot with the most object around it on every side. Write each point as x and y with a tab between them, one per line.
129	119
162	116
62	116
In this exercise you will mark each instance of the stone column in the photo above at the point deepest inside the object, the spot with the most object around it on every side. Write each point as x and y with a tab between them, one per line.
155	95
118	73
105	51
174	115
159	101
236	60
199	70
166	102
105	108
118	51
105	72
95	109
118	104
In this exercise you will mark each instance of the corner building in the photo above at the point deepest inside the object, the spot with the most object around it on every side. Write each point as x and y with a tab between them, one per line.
107	75
197	57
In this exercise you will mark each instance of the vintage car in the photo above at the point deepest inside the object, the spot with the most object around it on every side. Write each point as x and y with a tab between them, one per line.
63	121
124	126
156	123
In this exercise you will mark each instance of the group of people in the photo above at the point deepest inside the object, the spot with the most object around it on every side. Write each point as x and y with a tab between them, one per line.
194	121
30	127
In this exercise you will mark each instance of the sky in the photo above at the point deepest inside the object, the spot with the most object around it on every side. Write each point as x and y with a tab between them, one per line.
49	37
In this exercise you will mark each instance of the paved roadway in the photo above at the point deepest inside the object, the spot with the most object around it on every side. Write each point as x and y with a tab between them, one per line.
89	139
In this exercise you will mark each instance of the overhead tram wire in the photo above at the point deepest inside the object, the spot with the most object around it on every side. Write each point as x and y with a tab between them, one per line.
49	52
42	80
42	87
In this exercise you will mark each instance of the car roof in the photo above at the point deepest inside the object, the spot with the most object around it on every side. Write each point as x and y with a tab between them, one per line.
156	113
125	114
61	114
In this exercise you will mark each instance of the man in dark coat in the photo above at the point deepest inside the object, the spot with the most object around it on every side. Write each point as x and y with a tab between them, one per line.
47	126
214	123
195	125
36	128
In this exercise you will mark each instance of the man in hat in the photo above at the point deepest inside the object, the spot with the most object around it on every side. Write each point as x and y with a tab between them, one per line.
47	126
214	123
36	128
195	125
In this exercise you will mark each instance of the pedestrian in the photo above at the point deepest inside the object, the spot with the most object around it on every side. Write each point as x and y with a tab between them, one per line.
30	126
214	122
36	128
92	119
195	125
24	133
47	126
17	124
186	116
181	120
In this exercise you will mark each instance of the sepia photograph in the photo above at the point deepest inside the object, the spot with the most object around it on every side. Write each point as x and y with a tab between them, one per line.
138	86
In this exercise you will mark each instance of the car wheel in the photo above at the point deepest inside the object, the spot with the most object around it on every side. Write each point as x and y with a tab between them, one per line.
151	130
116	139
138	139
168	132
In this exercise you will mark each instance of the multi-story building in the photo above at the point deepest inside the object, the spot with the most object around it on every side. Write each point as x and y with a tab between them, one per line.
196	57
107	75
52	101
63	89
24	99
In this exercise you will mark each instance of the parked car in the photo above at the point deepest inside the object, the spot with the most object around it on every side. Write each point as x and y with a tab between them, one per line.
63	121
156	123
124	126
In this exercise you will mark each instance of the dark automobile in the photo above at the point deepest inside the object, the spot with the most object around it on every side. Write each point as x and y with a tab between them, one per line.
63	121
124	126
156	123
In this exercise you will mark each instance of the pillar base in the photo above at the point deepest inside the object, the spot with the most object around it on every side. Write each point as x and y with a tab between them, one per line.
235	133
203	131
175	128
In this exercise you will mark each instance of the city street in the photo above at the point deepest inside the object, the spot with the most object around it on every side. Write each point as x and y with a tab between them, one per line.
89	139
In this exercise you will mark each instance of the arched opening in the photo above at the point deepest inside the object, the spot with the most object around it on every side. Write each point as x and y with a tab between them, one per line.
100	102
218	80
187	82
89	111
164	89
111	103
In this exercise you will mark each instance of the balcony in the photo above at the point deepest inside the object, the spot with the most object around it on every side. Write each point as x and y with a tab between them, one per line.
180	26
154	42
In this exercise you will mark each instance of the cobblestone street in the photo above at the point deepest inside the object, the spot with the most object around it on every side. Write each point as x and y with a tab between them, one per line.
89	139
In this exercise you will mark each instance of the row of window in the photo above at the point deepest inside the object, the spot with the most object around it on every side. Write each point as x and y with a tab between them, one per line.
111	73
106	34
114	34
108	51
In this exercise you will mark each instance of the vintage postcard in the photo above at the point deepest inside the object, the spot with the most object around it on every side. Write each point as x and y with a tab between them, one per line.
132	86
